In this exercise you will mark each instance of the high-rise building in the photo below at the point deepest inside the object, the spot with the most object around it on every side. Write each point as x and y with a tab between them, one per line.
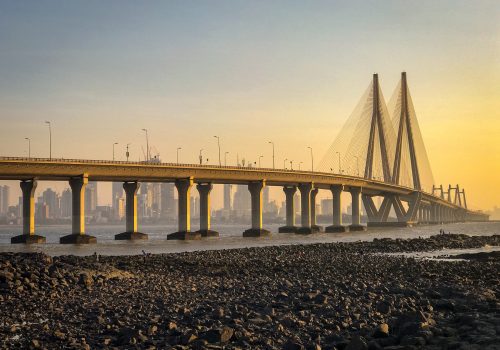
327	206
242	201
4	199
66	205
227	197
167	201
155	200
90	197
51	200
265	199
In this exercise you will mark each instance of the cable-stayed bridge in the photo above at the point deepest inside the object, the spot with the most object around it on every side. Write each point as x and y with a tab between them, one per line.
378	157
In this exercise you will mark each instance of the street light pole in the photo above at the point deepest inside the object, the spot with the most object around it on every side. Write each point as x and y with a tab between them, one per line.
127	154
260	157
284	163
300	164
272	143
178	148
218	145
147	145
201	157
225	158
50	138
114	149
29	146
291	165
312	158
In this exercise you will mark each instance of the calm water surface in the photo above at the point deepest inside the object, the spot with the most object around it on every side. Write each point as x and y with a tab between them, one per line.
230	237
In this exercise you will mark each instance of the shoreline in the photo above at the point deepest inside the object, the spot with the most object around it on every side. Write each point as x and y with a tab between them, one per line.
314	296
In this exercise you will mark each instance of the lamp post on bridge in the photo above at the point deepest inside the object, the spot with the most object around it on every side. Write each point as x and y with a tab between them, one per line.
50	138
127	154
218	145
260	157
272	143
147	144
225	158
115	143
29	146
178	148
291	165
284	163
201	156
312	158
300	164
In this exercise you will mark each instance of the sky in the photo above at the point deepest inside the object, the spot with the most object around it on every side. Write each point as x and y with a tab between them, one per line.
249	72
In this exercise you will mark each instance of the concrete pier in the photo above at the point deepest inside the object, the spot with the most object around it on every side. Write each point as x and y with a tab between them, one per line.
28	188
314	225
290	210
131	233
78	235
204	190
337	210
255	189
305	208
184	210
356	213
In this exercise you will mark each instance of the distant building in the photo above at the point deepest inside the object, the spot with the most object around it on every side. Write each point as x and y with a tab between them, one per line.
242	201
4	199
228	197
90	197
327	206
167	201
51	200
66	204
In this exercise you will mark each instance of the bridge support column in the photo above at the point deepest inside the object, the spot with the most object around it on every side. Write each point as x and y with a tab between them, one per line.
131	233
337	210
356	213
184	211
204	190
314	225
28	188
290	210
78	235
255	189
305	208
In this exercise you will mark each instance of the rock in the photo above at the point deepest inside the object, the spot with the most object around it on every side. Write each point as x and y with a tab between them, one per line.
59	335
152	330
321	299
85	280
383	307
215	336
218	312
35	343
6	276
382	331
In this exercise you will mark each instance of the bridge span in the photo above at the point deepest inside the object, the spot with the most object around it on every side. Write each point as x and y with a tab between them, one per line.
422	207
396	168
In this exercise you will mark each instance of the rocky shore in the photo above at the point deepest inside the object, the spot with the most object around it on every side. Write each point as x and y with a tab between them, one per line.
322	296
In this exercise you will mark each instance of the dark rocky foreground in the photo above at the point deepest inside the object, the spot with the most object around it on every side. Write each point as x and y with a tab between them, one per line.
328	296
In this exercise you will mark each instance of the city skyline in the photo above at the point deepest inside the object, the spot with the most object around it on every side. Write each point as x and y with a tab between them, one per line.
301	74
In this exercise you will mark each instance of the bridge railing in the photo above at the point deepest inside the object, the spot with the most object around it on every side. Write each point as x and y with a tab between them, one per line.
187	165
